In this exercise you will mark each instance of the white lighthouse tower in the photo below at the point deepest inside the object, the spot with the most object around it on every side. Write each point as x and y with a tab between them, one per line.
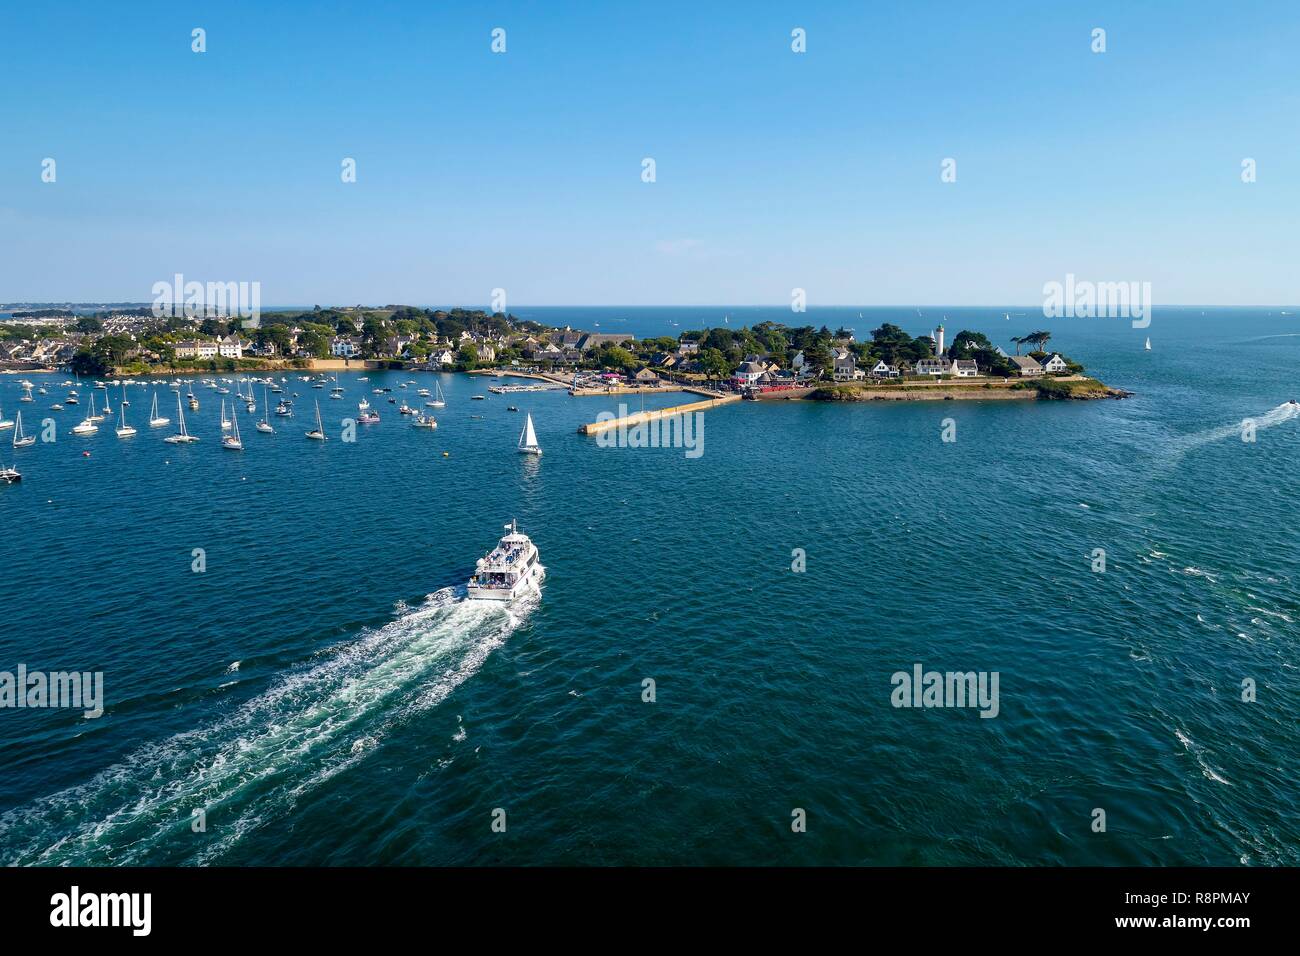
938	341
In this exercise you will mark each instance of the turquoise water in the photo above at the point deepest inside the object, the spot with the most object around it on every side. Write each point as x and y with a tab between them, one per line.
324	694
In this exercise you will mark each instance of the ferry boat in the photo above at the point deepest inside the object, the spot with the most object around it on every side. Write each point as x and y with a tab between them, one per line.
511	570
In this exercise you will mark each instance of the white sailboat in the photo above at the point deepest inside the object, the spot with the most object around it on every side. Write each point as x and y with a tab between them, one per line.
89	424
528	438
182	437
318	433
439	401
27	395
231	441
123	429
264	425
225	422
21	440
154	420
5	422
1147	347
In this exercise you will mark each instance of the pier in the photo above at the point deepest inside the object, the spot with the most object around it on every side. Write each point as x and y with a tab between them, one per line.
637	418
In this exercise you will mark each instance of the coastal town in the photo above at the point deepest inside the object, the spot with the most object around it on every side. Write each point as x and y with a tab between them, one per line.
767	360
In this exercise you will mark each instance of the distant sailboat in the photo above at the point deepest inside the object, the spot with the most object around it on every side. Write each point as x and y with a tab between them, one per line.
27	395
182	437
88	425
5	422
318	433
225	422
231	442
439	401
1147	347
265	425
528	438
154	420
21	440
123	429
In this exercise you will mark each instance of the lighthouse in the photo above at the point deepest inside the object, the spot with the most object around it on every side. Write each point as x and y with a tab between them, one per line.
938	341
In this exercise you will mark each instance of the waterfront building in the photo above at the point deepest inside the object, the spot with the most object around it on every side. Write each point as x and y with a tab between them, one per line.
1025	365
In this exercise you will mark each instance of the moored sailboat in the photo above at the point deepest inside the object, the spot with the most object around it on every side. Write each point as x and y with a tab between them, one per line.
232	442
318	433
89	425
21	440
182	437
264	425
123	429
154	420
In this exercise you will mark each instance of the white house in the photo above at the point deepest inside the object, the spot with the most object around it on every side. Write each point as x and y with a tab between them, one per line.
229	346
882	370
341	346
964	368
1055	364
445	357
932	366
749	372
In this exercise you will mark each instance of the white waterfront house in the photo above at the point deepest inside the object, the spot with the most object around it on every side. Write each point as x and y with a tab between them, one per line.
229	346
931	366
342	346
1055	364
883	370
964	368
749	372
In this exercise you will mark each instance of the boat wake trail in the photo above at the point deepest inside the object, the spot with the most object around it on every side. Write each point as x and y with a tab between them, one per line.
251	767
1274	416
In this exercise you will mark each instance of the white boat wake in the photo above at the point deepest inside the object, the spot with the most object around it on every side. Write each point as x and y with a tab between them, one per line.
1274	416
251	767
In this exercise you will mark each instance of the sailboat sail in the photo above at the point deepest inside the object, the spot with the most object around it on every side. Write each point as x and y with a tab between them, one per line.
21	440
528	438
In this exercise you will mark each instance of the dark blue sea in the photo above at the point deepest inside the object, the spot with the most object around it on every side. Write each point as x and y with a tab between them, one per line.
324	695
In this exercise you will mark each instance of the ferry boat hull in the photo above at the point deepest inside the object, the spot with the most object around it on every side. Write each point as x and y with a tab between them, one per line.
510	571
529	583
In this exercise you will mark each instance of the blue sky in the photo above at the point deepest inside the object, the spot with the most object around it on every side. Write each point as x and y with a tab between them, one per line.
774	170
